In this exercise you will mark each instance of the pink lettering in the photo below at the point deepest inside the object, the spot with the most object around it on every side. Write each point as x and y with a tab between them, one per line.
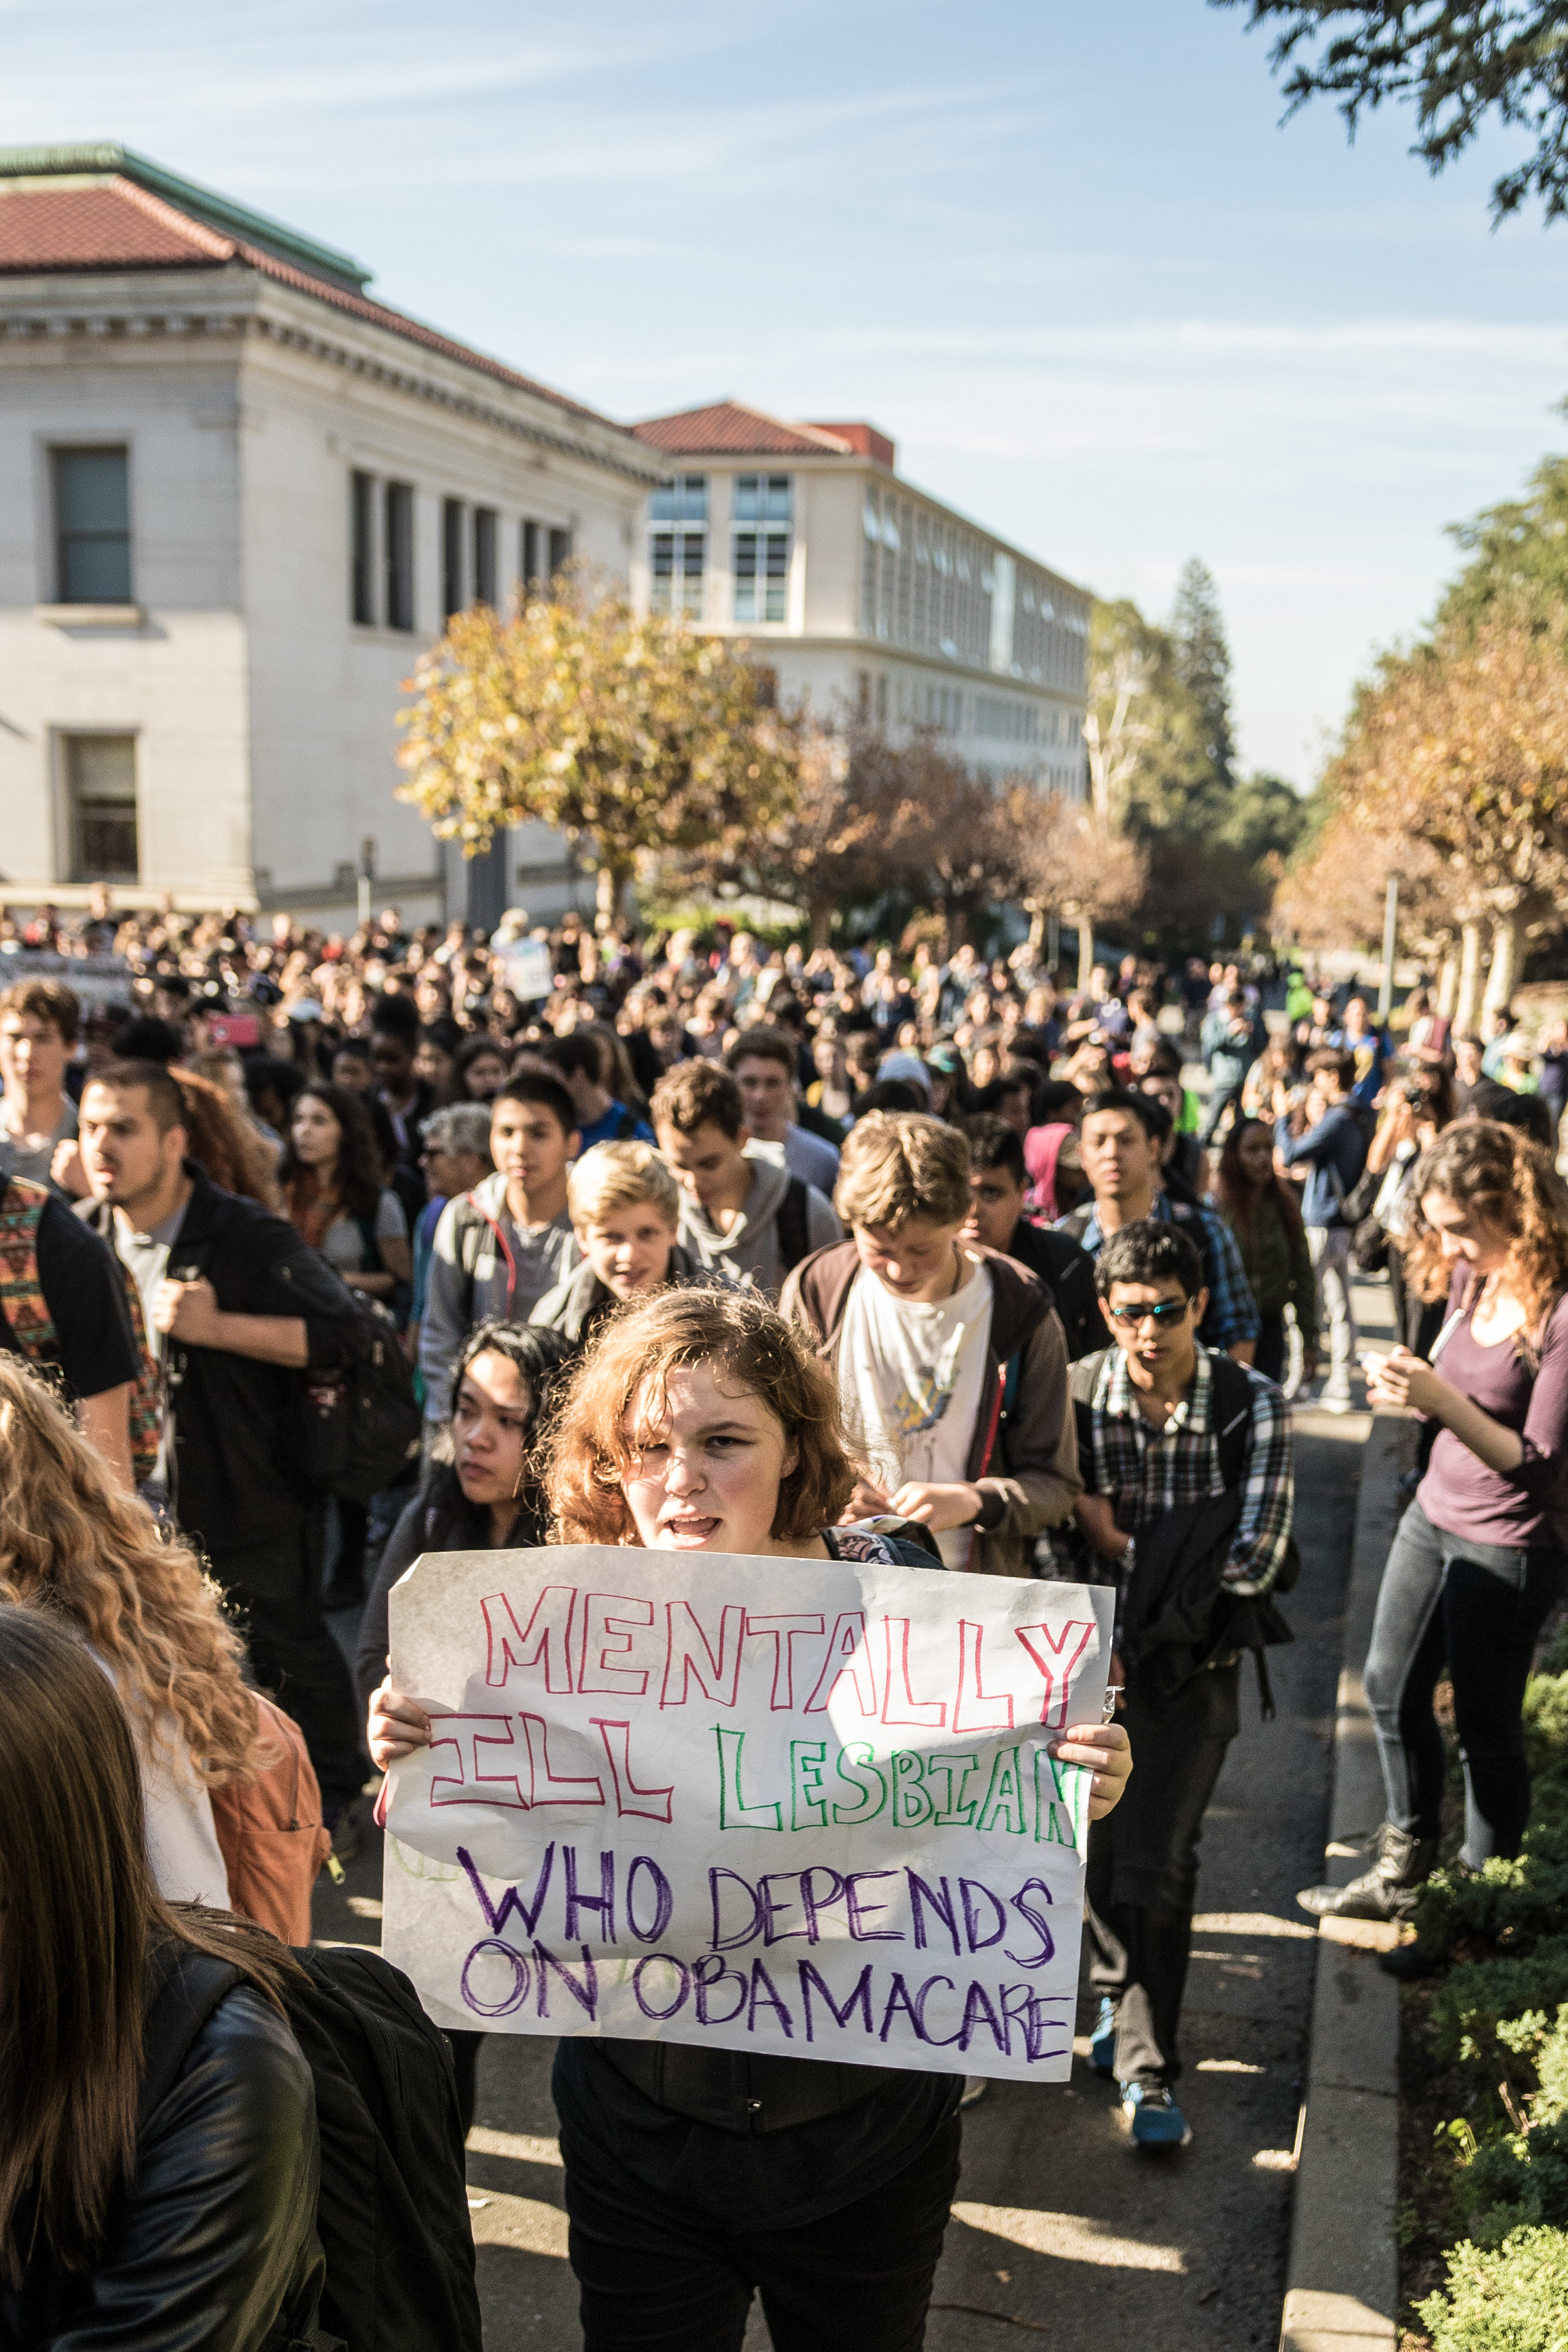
987	1710
547	1636
547	1787
606	1638
471	1787
782	1631
655	1803
925	1713
847	1655
691	1654
1066	1660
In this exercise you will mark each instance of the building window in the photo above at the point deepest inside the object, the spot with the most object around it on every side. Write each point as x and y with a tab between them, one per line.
361	527
560	551
677	560
100	788
683	499
399	542
762	497
93	526
485	526
452	597
761	575
532	575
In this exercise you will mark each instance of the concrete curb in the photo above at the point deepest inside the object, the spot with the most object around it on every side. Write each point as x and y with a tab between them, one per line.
1342	2280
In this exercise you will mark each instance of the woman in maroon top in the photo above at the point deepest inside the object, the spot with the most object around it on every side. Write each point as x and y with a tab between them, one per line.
1482	1553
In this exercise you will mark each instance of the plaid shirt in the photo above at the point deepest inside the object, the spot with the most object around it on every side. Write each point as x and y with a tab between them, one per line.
1232	1314
1145	1470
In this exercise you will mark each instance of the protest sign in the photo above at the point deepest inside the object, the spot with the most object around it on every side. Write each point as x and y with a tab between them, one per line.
802	1807
527	969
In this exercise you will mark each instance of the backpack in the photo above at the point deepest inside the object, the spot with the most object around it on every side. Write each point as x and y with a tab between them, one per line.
270	1834
392	2210
791	1225
359	1427
26	1313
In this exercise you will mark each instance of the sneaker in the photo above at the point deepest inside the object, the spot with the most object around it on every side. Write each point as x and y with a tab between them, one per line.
1153	2117
974	2089
1102	2042
1331	1402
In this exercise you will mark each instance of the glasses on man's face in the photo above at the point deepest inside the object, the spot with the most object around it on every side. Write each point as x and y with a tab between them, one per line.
1168	1310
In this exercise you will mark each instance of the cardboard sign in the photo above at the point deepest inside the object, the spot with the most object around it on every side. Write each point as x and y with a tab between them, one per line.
527	969
806	1807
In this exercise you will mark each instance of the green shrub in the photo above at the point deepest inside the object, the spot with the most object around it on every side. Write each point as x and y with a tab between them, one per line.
1479	1995
1512	2180
1510	2299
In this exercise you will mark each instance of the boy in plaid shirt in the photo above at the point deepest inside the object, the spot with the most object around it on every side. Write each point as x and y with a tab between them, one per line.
1164	1426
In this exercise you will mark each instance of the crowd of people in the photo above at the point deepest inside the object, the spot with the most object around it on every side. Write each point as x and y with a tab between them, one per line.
713	1248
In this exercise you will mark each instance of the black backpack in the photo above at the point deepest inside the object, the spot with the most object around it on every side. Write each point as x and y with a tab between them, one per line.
359	1427
791	1225
392	2211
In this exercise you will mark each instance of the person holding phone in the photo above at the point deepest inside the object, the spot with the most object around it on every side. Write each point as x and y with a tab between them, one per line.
1482	1553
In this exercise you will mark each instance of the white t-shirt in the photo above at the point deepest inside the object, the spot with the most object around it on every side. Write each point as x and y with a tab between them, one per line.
182	1851
343	1243
912	1377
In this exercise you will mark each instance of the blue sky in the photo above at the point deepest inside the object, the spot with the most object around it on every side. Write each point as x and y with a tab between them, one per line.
1063	254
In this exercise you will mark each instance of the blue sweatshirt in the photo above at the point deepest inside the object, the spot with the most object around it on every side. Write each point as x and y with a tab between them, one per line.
1335	1148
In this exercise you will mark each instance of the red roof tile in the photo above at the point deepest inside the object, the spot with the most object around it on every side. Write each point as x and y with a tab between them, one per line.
119	225
724	428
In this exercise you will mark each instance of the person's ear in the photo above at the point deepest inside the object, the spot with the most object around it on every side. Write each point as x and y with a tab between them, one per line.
1200	1307
791	1462
1105	1312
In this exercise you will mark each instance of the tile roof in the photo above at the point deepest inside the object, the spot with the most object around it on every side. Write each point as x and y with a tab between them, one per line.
115	224
727	428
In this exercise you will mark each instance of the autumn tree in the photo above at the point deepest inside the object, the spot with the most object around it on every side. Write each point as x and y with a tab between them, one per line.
632	736
1072	863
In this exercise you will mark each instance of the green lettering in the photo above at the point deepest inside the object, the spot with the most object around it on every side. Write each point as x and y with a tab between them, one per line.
859	1752
735	1813
954	1813
1006	1795
809	1808
912	1807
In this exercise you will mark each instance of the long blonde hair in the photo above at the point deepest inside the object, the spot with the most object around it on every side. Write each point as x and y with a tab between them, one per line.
70	1537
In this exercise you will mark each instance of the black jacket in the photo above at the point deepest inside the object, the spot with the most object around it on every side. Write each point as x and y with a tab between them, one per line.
213	2240
1068	1272
234	1417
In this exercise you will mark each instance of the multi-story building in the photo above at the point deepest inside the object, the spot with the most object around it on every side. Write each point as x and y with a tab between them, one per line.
870	598
237	496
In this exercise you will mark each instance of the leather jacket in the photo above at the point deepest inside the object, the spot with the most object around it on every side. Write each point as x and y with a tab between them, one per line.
213	2242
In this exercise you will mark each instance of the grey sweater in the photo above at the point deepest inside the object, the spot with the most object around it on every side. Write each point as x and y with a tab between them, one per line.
471	1280
749	1252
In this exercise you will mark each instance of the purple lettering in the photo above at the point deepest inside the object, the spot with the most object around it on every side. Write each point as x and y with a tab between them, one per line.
708	1973
774	1905
498	1913
857	1914
604	1902
753	1926
859	1998
663	1900
816	1904
587	1994
899	1998
937	2040
969	1888
976	2000
683	1983
919	1895
515	1998
1041	1926
765	1995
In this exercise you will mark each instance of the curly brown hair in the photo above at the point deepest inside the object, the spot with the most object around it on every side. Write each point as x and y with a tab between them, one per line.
233	1155
70	1537
587	1450
1499	1174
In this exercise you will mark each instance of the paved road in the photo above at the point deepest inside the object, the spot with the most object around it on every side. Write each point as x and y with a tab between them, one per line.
1059	2229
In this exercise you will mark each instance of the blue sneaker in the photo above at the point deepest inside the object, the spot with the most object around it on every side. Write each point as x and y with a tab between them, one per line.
1102	2042
1153	2117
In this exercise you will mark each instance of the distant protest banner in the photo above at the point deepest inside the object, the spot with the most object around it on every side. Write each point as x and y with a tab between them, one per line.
796	1806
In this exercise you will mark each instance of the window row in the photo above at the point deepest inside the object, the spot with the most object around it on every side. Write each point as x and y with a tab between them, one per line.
753	497
382	576
759	572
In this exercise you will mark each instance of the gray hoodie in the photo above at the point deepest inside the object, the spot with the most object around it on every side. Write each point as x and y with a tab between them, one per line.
750	1253
470	1279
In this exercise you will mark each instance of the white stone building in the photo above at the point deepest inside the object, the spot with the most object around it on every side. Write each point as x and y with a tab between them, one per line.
867	597
237	495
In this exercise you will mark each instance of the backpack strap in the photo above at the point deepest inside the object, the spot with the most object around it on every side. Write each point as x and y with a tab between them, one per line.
791	1225
1232	1407
472	1201
1075	1223
25	1323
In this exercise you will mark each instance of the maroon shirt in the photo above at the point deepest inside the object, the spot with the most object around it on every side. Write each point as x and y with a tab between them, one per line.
1528	1505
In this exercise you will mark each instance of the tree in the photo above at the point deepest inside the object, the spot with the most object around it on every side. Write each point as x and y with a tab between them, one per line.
1148	769
1070	862
1460	60
1519	555
631	736
1203	663
849	836
964	844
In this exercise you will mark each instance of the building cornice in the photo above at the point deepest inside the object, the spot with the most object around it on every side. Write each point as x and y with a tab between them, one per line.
183	306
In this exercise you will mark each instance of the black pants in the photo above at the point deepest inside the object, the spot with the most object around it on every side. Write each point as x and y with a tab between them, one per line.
276	1590
465	2047
1223	1097
1479	1607
1268	1357
859	2280
1143	1871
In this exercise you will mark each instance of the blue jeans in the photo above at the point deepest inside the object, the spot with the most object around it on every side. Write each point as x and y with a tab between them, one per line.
1479	1607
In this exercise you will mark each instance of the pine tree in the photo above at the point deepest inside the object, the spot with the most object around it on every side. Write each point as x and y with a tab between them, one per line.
1203	663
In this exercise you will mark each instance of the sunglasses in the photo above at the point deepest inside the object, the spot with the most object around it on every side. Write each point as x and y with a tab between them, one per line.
1169	1310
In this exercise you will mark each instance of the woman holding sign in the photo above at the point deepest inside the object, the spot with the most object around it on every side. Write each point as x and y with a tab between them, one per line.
701	1421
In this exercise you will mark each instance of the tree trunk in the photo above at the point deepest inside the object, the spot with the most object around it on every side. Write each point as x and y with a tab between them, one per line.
1447	983
1085	954
1468	1003
1507	932
1037	928
822	923
609	891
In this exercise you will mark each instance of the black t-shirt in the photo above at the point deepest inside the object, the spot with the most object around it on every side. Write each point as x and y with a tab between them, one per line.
84	1291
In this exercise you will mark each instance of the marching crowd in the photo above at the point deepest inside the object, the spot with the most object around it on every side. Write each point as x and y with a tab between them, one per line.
320	1255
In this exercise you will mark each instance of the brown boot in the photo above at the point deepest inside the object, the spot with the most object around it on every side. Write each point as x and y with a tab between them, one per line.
1401	1866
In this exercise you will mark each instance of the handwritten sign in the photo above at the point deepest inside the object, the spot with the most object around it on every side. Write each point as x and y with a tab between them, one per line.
796	1806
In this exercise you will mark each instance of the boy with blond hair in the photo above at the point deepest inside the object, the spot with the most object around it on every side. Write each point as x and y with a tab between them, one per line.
950	1356
625	1207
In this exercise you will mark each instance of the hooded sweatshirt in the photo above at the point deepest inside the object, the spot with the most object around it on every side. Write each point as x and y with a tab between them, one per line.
749	1252
483	1264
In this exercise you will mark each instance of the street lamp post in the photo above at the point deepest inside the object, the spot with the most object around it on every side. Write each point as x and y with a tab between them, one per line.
366	877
